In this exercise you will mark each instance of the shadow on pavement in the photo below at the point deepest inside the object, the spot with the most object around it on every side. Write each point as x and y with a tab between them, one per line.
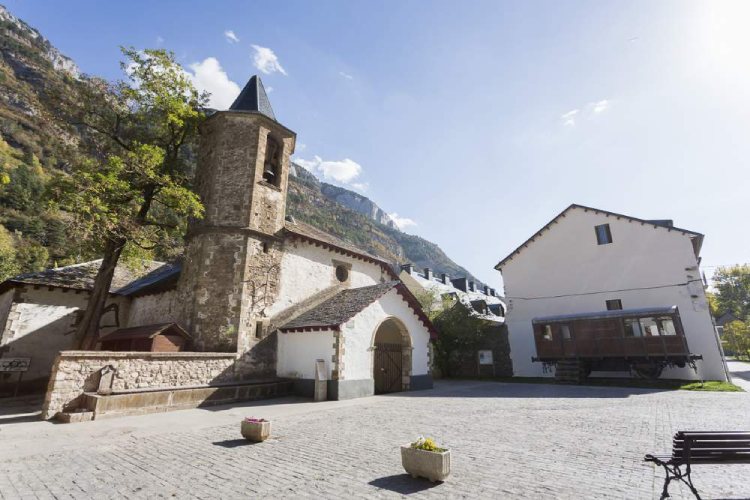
403	484
233	443
493	389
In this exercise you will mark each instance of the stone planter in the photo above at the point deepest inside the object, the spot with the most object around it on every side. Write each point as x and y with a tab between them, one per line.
255	431
431	465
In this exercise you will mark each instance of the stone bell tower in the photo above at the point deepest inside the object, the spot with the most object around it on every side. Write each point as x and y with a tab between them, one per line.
231	268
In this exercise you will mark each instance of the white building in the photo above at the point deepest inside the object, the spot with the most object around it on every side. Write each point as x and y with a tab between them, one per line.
591	263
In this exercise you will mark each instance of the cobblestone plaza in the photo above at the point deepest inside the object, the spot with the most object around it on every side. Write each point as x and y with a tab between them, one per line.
507	441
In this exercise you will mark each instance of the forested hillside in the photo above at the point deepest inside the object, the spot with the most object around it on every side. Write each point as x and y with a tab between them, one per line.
33	142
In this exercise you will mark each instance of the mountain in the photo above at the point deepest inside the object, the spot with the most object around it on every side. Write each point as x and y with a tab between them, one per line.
32	71
358	219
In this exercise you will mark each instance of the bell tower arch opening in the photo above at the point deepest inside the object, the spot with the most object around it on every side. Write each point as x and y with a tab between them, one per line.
392	353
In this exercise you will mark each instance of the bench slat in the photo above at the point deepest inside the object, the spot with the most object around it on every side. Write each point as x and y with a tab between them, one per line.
712	435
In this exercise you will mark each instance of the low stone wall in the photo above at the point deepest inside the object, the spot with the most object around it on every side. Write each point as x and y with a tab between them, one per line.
76	372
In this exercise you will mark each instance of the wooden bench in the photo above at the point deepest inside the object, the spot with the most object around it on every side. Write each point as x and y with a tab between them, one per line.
698	448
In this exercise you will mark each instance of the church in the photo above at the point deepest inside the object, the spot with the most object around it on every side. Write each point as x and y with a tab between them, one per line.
279	297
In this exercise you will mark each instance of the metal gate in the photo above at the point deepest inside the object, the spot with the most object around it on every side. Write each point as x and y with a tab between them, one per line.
388	373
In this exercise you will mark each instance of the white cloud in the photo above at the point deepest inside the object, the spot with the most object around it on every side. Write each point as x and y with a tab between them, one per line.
346	75
266	61
599	106
159	40
569	118
343	171
301	146
209	76
231	37
401	222
361	186
269	90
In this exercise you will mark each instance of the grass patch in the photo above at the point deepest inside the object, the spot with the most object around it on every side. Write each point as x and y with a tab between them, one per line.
668	384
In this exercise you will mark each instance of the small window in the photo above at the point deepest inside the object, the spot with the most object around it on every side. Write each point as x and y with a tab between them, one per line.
603	234
342	273
565	329
547	332
614	305
265	247
259	330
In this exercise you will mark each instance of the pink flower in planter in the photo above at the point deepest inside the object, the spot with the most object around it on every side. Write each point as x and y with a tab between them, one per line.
255	420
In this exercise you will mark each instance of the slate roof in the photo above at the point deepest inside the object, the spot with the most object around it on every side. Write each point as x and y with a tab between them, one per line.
340	308
82	276
695	237
343	306
146	331
306	231
253	98
160	279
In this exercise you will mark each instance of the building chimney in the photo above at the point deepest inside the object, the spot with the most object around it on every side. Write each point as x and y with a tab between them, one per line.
408	268
428	273
492	292
486	290
445	279
461	283
472	286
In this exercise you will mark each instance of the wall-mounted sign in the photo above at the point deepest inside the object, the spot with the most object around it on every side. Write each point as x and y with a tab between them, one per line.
485	357
14	364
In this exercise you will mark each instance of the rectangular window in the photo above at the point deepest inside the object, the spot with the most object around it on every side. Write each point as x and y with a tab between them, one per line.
614	305
565	329
633	328
666	326
259	330
649	327
603	234
547	332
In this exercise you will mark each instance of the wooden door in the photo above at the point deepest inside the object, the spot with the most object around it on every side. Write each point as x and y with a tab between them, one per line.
388	372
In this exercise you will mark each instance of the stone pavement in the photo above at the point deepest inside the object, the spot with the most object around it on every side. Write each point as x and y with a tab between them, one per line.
507	441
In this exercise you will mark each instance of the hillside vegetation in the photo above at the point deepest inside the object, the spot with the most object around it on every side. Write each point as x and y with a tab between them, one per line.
34	236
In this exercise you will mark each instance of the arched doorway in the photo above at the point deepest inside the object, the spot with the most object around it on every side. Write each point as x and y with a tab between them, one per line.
392	357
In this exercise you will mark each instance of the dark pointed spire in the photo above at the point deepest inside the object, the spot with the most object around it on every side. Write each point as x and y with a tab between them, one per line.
253	98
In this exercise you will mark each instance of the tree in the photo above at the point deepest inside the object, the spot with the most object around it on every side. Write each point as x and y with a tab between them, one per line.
8	265
458	331
737	336
733	290
129	184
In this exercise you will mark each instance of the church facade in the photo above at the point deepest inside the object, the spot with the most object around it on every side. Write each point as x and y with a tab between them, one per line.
287	299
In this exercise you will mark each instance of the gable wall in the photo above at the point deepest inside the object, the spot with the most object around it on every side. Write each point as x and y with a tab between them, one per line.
359	333
566	260
307	269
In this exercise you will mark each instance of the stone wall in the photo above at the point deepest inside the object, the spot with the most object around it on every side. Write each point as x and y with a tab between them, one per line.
76	372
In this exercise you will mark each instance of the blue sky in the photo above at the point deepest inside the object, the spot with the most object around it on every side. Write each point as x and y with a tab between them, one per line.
478	121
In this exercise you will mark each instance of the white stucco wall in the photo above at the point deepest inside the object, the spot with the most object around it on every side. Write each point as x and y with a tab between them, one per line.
151	309
566	260
359	336
41	324
307	269
298	351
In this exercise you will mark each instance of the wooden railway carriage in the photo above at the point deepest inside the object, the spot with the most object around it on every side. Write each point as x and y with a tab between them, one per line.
642	340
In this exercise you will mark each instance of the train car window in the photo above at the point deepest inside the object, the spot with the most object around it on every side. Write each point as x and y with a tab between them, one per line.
565	331
650	327
633	328
547	332
666	326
